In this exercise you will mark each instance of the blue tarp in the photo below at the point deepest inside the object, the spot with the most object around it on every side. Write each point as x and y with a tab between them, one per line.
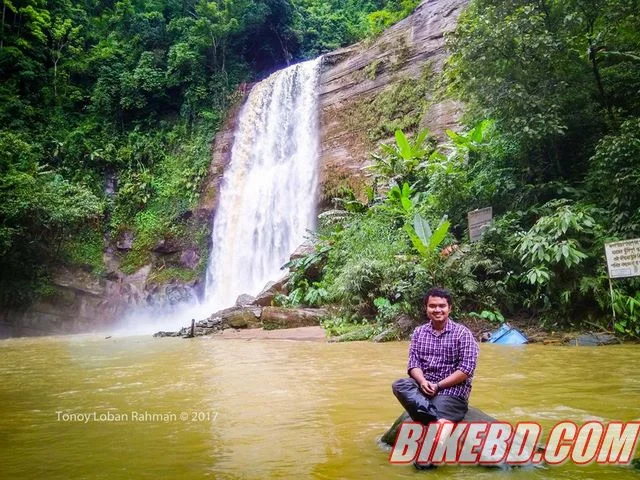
507	335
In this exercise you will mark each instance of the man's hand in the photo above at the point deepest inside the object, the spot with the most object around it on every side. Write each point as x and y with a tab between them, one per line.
429	388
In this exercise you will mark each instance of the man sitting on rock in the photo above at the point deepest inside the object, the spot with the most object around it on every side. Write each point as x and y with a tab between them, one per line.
442	358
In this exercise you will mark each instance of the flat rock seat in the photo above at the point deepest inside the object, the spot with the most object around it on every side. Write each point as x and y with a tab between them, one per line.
473	415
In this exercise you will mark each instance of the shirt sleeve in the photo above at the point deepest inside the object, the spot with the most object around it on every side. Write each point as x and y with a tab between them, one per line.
468	353
414	360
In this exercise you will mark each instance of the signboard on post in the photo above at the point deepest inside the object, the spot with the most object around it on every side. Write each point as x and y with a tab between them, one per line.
478	222
623	258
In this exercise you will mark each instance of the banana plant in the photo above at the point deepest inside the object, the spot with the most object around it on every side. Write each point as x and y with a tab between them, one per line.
424	239
475	139
399	161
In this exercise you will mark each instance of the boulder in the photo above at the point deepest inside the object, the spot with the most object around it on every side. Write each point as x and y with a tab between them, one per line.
303	250
269	292
237	317
474	415
244	300
276	317
405	325
312	272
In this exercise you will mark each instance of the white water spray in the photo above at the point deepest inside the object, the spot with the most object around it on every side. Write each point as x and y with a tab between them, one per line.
268	192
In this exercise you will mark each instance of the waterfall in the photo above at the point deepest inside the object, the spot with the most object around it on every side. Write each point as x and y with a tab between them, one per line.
266	203
268	192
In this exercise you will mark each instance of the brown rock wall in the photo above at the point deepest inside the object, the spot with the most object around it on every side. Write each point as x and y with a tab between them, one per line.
355	76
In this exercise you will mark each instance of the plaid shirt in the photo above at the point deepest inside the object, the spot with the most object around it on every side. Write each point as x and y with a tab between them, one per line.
440	355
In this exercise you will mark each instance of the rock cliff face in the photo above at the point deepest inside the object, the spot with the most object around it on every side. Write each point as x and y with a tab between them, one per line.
371	88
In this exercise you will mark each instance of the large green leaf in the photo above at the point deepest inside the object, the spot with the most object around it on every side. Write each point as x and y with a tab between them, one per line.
417	243
403	145
422	228
438	236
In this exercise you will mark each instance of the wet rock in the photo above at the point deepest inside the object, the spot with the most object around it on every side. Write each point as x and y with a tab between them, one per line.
594	339
190	258
125	240
176	294
166	246
244	318
166	334
473	415
237	317
303	250
276	317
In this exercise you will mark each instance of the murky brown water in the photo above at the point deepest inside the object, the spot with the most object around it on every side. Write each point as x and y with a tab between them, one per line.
270	409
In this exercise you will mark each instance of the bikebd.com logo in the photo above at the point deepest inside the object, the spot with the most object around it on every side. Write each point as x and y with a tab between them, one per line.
496	443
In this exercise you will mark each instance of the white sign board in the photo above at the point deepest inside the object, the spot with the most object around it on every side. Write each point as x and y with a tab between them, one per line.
478	222
623	258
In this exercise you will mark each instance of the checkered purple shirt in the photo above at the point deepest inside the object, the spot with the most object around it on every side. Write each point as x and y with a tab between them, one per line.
440	356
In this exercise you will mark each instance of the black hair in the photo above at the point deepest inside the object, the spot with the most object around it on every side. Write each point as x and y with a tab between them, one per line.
438	292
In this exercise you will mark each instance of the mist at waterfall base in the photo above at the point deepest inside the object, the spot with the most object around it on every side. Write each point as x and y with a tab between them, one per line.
267	199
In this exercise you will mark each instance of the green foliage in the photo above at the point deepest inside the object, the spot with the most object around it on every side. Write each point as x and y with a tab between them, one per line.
554	252
523	64
388	312
400	106
627	310
372	70
349	330
169	274
85	248
382	19
401	163
614	177
324	26
493	317
39	210
423	238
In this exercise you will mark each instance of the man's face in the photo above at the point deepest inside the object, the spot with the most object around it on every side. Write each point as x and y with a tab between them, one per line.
437	308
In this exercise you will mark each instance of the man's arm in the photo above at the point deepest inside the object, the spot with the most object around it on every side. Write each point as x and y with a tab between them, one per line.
468	359
452	380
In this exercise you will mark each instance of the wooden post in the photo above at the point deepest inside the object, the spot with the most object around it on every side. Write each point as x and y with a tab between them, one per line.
193	328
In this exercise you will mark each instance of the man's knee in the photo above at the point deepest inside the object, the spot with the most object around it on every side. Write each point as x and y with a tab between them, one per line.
402	385
450	408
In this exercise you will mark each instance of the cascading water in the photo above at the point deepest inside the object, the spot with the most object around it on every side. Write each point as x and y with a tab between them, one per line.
268	192
267	198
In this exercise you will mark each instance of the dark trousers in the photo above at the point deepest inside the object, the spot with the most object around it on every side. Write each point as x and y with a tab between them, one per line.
424	409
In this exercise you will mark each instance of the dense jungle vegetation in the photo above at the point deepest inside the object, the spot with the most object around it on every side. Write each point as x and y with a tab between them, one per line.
102	93
552	90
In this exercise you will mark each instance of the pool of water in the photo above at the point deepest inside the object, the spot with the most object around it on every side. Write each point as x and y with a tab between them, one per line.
139	407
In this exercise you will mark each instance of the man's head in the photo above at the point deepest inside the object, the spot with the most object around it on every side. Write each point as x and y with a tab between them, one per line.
437	304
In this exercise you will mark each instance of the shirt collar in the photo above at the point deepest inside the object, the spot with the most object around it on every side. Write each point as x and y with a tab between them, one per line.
447	326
